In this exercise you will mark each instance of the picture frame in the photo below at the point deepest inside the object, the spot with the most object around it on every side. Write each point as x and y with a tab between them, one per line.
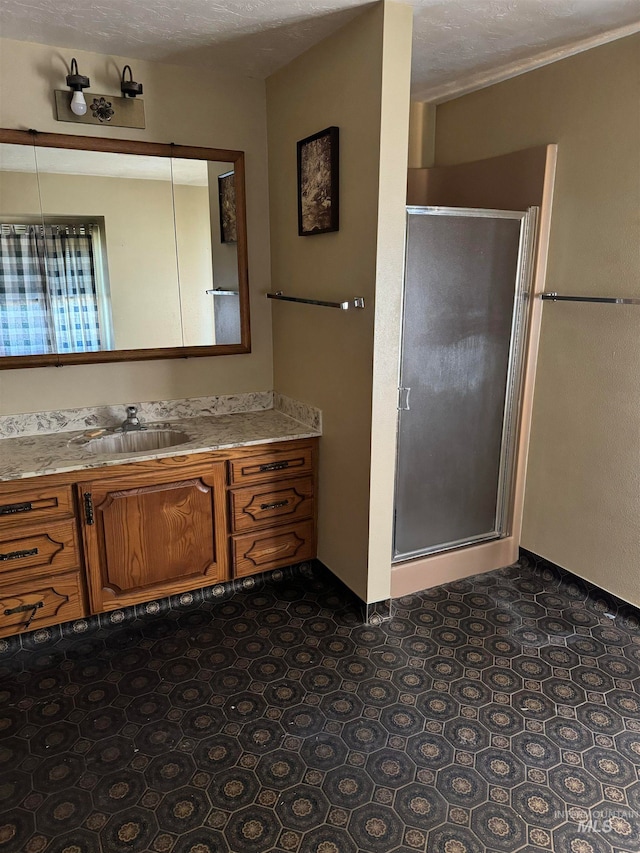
227	202
318	183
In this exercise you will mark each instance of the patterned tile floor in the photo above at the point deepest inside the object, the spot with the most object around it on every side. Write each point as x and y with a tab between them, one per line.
496	714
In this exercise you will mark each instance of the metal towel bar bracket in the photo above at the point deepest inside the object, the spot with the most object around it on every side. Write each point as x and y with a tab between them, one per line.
356	302
611	300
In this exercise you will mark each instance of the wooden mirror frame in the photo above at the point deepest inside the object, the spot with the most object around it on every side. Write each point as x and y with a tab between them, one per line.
156	149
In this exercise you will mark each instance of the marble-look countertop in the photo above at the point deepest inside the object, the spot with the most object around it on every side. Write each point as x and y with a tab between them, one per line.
58	453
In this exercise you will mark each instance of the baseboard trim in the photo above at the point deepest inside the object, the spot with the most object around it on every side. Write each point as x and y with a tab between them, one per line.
427	572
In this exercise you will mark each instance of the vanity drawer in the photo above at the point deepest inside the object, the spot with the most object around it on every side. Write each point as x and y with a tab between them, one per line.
55	600
270	549
271	464
34	502
271	503
51	548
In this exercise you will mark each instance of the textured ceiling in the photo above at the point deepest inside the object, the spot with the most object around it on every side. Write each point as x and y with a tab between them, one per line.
457	43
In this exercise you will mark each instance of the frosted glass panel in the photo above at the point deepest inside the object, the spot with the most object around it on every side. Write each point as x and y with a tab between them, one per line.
460	286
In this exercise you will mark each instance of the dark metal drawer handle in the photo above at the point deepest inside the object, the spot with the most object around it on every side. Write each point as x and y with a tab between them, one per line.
15	555
11	509
274	466
274	505
25	608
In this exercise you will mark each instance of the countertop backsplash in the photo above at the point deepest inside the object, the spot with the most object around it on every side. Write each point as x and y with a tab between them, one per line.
303	412
70	420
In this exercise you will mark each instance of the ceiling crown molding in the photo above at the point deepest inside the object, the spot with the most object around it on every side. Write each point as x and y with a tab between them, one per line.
481	79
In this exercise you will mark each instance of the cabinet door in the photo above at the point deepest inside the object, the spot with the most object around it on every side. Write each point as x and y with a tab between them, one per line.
147	536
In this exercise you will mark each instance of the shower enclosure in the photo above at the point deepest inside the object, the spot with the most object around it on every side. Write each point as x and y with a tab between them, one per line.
467	282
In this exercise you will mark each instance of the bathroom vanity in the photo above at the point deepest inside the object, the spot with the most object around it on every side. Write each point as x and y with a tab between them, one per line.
101	533
91	523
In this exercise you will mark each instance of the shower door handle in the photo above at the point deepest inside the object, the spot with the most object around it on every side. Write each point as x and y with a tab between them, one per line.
403	399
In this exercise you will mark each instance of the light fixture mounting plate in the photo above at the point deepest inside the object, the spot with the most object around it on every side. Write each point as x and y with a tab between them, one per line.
125	112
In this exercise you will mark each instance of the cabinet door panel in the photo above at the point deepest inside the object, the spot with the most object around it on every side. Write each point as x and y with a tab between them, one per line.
157	533
153	539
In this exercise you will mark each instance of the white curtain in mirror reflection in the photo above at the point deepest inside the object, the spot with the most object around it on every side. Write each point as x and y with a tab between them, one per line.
52	296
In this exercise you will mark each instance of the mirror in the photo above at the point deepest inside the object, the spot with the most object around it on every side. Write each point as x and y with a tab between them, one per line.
112	251
207	251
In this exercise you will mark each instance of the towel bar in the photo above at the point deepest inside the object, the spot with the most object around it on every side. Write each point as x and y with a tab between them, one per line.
356	302
612	300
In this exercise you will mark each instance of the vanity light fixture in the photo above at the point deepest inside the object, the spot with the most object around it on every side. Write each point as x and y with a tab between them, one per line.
124	110
77	82
129	88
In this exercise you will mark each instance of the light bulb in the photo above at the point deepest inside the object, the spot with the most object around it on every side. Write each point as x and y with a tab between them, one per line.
78	104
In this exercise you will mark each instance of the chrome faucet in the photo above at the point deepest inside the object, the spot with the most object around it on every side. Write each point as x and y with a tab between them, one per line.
132	421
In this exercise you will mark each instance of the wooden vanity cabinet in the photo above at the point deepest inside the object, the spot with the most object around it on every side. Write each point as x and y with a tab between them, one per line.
41	579
154	529
151	529
272	506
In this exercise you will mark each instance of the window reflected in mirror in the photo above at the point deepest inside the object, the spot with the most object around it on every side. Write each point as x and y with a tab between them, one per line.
54	293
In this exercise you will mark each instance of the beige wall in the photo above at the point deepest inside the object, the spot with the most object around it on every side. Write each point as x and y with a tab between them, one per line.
582	501
183	105
394	137
193	239
422	135
354	80
19	194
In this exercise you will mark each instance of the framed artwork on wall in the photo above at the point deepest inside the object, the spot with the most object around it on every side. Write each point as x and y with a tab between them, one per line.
227	197
318	202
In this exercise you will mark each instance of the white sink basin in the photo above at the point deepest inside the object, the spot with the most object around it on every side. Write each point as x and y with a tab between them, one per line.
136	441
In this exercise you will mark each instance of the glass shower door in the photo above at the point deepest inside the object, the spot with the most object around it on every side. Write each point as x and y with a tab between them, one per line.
466	276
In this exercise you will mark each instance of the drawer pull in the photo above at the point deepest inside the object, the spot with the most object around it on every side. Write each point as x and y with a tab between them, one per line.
275	504
25	608
274	466
12	509
16	555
